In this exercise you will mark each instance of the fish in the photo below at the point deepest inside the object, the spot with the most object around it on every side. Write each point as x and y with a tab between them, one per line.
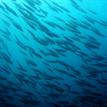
10	9
52	54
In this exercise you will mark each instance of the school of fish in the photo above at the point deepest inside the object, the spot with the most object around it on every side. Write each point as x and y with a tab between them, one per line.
53	53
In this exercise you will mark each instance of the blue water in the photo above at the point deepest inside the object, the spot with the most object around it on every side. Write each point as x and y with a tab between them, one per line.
53	53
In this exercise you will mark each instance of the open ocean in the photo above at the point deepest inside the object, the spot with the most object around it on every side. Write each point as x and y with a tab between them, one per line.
53	53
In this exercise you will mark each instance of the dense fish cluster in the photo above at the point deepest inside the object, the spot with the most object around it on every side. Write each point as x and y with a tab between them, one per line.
53	53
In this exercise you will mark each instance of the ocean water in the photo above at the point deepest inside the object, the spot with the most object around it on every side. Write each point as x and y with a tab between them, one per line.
53	53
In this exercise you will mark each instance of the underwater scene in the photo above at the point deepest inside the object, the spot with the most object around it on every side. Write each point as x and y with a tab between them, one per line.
53	53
